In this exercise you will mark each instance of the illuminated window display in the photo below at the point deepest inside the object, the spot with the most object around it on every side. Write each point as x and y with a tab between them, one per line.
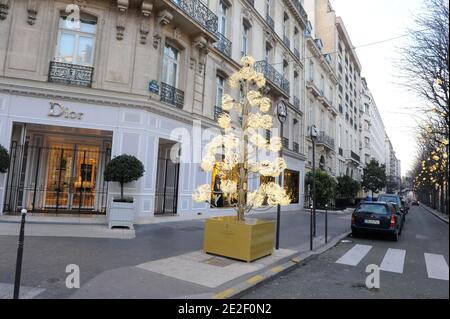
291	185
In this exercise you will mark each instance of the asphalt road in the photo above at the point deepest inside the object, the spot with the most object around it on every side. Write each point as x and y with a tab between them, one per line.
414	267
45	258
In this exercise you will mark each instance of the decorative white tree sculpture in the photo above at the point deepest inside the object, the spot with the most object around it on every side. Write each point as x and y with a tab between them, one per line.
241	144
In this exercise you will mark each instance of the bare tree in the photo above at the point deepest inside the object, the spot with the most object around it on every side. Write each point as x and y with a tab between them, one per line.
425	68
425	61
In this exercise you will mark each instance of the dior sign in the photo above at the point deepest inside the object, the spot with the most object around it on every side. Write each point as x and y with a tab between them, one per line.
59	110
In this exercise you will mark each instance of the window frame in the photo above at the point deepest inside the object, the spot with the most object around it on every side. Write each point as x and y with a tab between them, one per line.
77	34
173	61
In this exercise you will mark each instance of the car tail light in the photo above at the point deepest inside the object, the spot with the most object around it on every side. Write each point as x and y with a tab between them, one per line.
353	219
392	221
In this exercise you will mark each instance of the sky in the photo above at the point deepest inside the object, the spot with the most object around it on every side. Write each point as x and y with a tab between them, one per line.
369	21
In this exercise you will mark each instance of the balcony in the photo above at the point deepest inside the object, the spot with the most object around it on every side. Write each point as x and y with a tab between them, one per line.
312	87
300	9
352	156
223	45
172	95
251	2
70	74
297	53
285	142
270	22
273	76
325	140
297	103
201	19
295	147
287	41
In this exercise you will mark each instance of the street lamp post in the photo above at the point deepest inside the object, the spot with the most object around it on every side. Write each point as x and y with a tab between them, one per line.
19	256
314	135
282	115
326	223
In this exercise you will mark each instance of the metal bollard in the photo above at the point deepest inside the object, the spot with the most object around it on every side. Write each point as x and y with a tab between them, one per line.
326	223
19	255
311	229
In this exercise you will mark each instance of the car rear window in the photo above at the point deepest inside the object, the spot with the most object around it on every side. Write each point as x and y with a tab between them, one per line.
389	199
373	208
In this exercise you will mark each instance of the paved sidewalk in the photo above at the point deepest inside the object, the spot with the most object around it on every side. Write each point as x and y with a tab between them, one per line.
438	214
66	230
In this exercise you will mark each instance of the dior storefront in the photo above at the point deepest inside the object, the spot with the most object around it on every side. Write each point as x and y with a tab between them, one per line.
59	150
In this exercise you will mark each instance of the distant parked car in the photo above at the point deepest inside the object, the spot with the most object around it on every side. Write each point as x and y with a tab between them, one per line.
377	217
396	199
414	202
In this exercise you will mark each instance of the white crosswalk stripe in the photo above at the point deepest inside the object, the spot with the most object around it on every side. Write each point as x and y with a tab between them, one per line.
354	255
394	260
437	267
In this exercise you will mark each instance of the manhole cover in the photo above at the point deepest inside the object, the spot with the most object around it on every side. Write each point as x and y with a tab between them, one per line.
219	262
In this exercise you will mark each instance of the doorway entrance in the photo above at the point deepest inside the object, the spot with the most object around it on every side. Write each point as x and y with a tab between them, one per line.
167	177
57	172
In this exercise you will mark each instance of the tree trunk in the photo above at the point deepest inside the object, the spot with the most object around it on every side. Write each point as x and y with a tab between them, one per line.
121	191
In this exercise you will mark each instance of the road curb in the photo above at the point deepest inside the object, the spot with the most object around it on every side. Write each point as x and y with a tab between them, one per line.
256	279
430	210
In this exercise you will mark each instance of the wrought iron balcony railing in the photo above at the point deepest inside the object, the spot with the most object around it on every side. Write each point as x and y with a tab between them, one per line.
296	53
273	75
355	156
285	142
325	140
223	45
300	9
251	2
287	41
296	147
71	74
197	10
350	155
296	102
172	95
270	22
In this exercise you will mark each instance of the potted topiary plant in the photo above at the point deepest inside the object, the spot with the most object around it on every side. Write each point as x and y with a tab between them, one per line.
4	159
122	169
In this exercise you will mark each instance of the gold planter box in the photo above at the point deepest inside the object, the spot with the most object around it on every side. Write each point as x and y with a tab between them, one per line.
243	240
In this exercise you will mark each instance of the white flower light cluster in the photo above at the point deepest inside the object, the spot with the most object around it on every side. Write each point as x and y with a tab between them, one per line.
255	105
274	193
247	73
202	193
272	169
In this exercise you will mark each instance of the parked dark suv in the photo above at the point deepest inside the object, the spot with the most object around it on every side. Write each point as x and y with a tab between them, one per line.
394	198
377	217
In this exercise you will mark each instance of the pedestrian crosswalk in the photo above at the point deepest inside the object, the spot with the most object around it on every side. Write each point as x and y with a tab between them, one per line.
394	261
354	255
437	267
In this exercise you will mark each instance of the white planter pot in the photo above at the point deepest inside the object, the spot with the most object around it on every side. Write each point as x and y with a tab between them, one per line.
121	214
